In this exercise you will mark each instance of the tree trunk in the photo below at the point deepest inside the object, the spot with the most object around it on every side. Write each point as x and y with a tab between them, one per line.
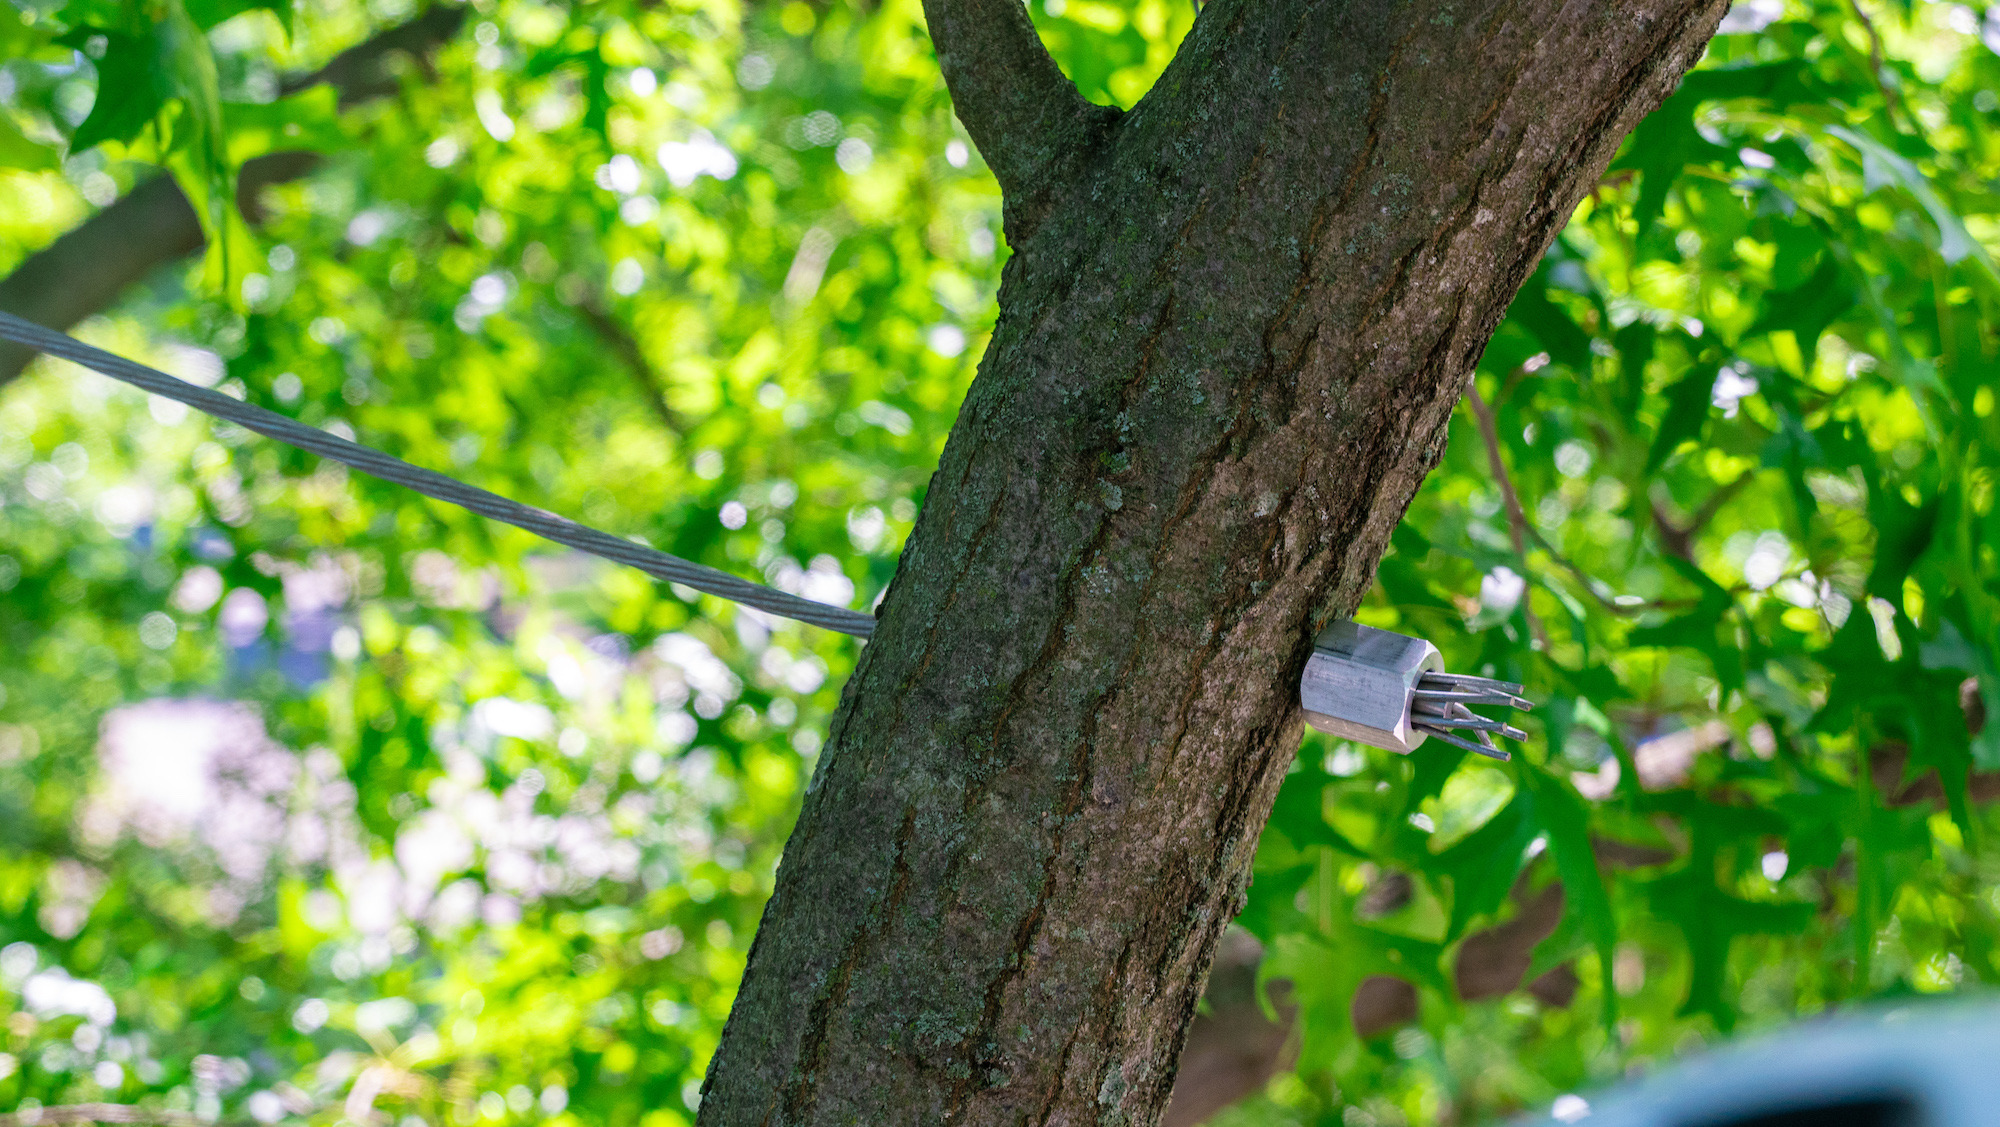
1234	326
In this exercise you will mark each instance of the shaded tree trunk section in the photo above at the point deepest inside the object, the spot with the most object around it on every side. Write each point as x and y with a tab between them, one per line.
1234	326
82	273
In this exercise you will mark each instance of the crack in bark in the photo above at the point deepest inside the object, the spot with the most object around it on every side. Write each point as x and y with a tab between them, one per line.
1065	614
1232	815
1482	126
1372	124
1196	683
1146	346
813	1044
1105	997
1024	934
928	651
1047	1107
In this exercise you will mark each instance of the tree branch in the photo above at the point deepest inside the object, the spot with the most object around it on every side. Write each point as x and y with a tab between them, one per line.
82	273
1678	539
86	269
1517	521
652	388
1892	102
364	72
1021	110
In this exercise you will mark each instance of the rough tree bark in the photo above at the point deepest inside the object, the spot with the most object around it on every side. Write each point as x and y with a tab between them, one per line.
1234	325
82	273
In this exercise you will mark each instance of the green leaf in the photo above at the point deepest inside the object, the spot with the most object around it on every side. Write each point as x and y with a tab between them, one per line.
1696	629
207	14
1429	774
17	151
1808	310
1300	811
1565	343
1271	909
1482	866
1902	534
1884	165
1664	144
1792	449
1668	140
1938	740
188	65
1635	343
308	120
1688	402
199	156
133	86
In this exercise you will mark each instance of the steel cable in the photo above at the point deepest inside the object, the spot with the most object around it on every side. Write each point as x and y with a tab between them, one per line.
547	525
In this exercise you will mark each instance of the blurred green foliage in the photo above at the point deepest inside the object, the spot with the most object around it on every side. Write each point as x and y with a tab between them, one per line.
322	802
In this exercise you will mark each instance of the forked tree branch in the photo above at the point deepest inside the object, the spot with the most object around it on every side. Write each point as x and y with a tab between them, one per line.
82	273
1224	359
1677	538
1021	110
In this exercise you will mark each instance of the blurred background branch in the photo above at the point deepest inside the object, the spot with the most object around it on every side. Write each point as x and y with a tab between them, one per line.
86	270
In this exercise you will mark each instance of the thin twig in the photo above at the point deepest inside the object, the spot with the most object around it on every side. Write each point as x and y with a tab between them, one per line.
1880	67
1522	532
621	341
1517	521
1596	587
1678	539
1590	583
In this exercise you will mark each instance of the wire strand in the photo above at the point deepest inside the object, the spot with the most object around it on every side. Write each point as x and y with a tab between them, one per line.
373	462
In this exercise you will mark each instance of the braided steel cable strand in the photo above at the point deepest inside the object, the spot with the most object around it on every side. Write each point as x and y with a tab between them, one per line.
435	485
1438	708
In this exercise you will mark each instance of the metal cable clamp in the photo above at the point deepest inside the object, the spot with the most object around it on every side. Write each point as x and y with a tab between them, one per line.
1390	691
